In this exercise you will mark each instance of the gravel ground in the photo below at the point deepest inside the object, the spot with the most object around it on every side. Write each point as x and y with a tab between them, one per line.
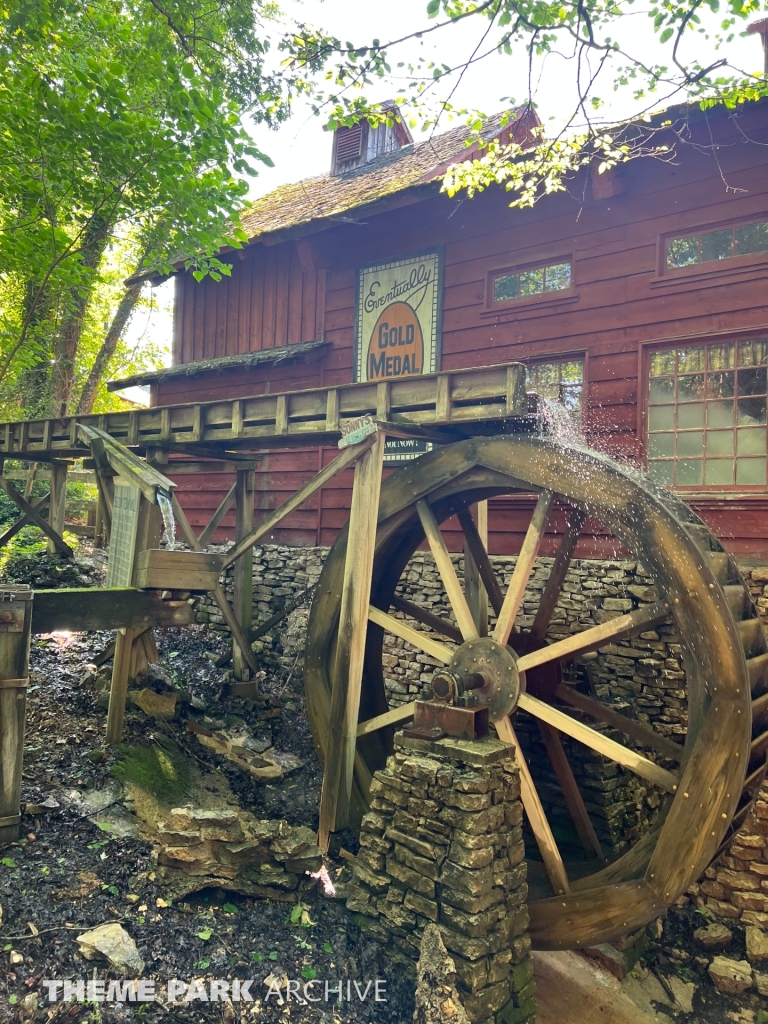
66	875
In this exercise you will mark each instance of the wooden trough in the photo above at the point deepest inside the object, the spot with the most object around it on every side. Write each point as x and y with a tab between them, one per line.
479	422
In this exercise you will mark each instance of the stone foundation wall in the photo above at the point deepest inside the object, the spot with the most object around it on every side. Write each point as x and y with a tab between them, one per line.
443	843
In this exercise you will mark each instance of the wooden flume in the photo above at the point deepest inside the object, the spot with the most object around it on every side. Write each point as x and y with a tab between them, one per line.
476	416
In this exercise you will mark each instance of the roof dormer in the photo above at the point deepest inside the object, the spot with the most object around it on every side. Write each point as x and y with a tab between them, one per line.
361	143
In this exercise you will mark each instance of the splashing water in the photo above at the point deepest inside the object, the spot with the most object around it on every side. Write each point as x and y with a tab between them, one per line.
559	423
169	523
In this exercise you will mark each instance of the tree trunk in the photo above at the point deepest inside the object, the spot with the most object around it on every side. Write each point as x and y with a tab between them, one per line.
108	346
67	339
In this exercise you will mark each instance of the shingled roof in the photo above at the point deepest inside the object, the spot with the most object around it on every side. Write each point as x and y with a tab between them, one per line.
333	197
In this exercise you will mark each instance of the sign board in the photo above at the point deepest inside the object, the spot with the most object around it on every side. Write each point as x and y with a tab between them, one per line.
397	334
355	431
122	537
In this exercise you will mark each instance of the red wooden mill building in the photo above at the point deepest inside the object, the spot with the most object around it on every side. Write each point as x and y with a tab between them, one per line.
638	298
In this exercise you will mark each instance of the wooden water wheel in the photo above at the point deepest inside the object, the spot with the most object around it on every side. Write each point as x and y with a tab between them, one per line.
706	784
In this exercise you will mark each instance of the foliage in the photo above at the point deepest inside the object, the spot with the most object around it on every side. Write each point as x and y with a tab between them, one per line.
122	125
693	36
160	769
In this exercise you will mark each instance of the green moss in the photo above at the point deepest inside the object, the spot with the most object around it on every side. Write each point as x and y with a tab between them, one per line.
161	770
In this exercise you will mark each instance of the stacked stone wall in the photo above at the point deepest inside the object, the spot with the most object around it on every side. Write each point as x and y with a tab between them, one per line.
443	844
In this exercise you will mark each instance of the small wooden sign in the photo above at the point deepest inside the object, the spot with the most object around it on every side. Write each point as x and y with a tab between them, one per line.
122	538
355	431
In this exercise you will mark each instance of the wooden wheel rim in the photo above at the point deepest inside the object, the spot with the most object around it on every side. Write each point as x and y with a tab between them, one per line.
661	866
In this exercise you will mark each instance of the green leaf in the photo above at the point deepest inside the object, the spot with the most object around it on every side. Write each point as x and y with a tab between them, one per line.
256	957
8	862
309	973
205	934
13	1000
273	955
203	964
296	913
666	35
433	8
229	908
327	947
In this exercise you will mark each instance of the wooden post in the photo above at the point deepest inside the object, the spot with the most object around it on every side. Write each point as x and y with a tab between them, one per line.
58	503
350	649
119	689
243	569
15	633
477	599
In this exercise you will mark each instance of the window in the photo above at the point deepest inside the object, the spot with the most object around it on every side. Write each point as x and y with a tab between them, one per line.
723	244
561	380
707	415
534	281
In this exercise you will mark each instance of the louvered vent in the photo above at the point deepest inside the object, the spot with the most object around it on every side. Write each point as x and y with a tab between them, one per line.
349	144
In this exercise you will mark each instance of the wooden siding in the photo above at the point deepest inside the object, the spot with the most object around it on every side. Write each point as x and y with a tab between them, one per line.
620	303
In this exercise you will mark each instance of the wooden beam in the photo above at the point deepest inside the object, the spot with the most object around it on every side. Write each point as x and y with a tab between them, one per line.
642	733
530	548
127	465
574	801
479	550
243	569
413	636
557	575
220	597
350	648
119	688
33	515
58	503
477	598
218	515
388	718
85	609
39	506
534	810
599	741
456	598
14	672
347	458
590	639
427	618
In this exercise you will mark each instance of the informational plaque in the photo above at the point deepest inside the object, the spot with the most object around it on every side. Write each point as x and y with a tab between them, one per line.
122	537
398	327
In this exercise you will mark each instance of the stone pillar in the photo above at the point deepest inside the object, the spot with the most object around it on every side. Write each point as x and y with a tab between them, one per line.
443	843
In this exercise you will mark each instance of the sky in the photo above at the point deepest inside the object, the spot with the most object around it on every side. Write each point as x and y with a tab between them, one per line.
300	148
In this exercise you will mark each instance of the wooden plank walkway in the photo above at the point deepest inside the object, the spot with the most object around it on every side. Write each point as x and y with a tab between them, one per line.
441	406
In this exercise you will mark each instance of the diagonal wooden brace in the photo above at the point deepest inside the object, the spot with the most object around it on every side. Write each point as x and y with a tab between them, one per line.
34	516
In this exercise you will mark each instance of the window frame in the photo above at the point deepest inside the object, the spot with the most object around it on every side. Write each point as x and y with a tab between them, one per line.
647	350
711	266
558	295
567	357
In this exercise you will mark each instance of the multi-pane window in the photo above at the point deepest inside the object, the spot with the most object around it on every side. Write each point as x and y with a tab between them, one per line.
561	380
723	244
707	415
536	281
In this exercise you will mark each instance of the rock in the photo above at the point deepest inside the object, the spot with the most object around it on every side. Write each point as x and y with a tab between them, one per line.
30	1003
714	936
683	992
437	1000
761	983
157	705
731	977
757	943
609	958
112	942
15	957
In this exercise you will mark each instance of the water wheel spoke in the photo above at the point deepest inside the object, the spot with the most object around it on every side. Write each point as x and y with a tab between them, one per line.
599	742
427	618
534	810
413	636
554	584
530	548
637	730
574	801
482	561
598	636
391	717
456	597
